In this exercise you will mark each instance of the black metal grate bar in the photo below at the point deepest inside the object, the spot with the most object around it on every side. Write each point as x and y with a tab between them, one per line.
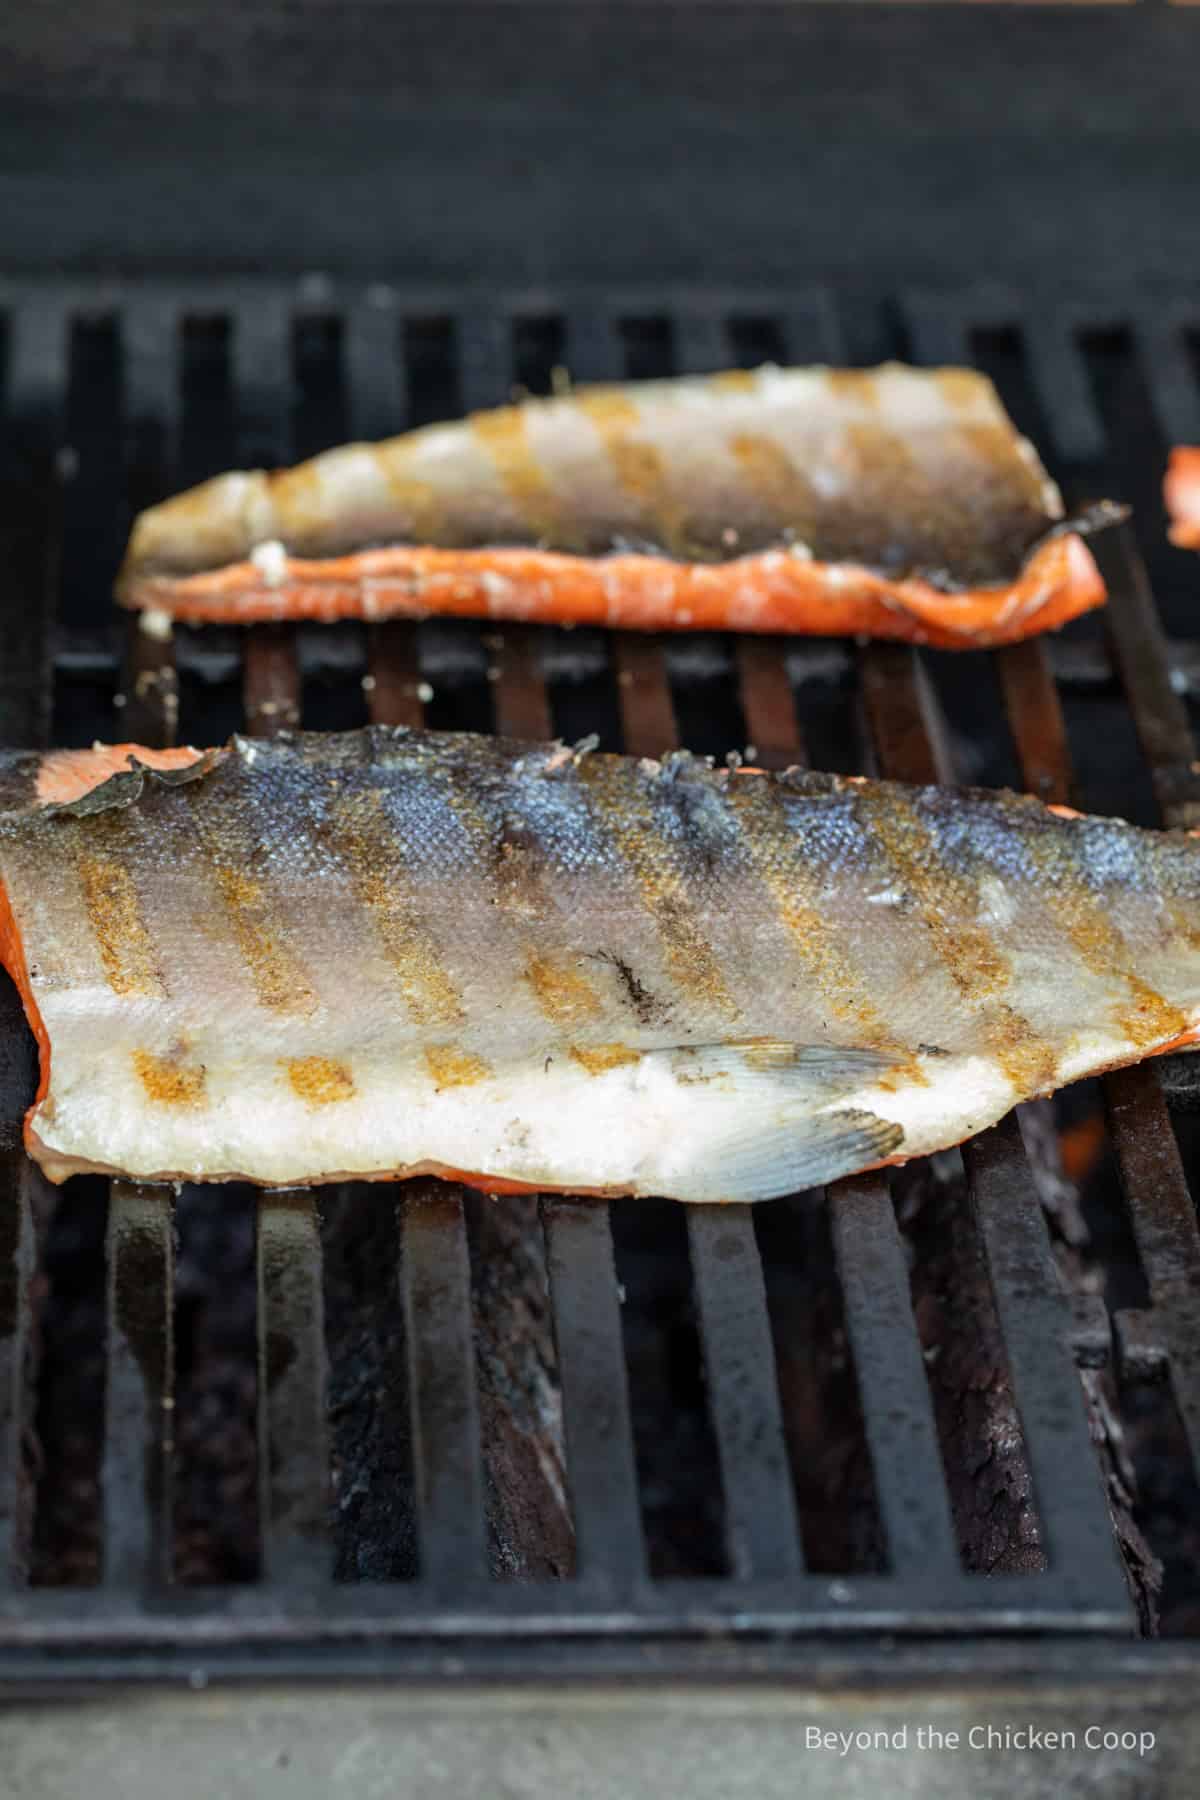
139	1403
376	378
521	700
594	350
262	381
1029	1298
394	685
1163	357
762	1531
19	1180
1076	428
270	680
810	323
445	1412
892	1382
150	393
1164	1223
1140	652
485	349
1076	1528
36	395
701	342
609	1545
293	1447
150	377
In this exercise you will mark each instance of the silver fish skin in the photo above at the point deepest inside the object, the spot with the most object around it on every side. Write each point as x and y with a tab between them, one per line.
390	952
905	470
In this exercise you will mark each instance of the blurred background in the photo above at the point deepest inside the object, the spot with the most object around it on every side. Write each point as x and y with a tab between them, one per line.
559	142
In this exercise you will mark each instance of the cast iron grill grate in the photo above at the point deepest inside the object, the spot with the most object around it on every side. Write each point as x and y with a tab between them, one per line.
117	394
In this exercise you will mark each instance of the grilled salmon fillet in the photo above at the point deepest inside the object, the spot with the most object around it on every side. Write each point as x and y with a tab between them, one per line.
390	952
1181	493
892	502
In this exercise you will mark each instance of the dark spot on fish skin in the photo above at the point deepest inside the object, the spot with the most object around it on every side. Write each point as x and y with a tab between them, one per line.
646	1007
517	867
931	1050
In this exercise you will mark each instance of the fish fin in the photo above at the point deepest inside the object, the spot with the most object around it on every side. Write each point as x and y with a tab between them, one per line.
794	1067
762	1117
760	1161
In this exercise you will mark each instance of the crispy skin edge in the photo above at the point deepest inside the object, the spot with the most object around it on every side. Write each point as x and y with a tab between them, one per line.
772	591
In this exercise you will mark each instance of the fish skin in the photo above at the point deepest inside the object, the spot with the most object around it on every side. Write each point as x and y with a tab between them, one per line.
894	502
1181	496
391	952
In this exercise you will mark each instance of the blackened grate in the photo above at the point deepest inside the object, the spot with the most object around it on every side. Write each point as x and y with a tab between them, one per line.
709	1519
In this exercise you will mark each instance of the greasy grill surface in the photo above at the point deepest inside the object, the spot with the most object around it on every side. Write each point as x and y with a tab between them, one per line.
758	1405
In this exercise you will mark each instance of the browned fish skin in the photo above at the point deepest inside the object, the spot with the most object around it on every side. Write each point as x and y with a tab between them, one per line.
385	950
905	471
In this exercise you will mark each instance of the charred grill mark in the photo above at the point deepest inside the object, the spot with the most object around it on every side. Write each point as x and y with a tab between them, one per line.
297	500
506	844
517	849
961	389
637	839
776	483
1147	1018
115	914
857	386
505	436
948	904
597	1059
790	878
230	842
639	468
360	838
319	1080
1028	1061
427	989
948	900
734	381
1150	1018
419	500
883	482
451	1067
279	981
168	1081
561	991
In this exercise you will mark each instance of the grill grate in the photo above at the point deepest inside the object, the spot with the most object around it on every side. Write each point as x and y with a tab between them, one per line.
193	376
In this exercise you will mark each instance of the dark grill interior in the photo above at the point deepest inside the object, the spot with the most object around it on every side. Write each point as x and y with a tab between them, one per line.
240	1428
